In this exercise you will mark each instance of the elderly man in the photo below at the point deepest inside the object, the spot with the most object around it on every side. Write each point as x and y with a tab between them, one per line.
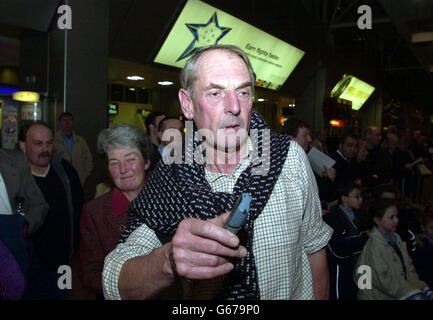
282	252
54	245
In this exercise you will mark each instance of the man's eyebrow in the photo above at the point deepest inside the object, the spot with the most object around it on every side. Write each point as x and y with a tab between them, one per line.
244	85
219	86
215	86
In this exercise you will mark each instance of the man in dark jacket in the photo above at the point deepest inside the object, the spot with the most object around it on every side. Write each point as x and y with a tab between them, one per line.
344	158
54	245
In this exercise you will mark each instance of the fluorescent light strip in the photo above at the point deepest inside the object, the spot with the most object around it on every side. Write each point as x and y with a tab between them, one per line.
134	78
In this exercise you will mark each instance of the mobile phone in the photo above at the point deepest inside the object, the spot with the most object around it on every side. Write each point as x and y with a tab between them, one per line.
239	214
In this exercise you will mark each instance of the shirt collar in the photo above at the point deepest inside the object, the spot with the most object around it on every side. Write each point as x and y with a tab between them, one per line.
348	213
64	136
43	175
389	237
242	165
120	203
339	152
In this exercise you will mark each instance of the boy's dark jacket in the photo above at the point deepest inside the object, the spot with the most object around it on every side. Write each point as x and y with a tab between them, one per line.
343	250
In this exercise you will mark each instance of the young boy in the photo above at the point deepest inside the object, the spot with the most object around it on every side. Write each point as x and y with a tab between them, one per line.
346	243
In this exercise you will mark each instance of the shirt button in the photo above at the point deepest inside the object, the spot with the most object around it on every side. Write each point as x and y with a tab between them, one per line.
234	177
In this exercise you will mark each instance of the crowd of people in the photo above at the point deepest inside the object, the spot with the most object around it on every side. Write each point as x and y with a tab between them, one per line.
369	198
155	229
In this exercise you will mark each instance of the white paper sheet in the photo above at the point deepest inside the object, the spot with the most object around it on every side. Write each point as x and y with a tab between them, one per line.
318	160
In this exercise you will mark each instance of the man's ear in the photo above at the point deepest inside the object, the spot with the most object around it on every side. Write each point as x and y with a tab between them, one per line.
186	104
376	220
22	146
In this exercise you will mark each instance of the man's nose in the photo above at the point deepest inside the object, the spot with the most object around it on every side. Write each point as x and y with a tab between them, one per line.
231	103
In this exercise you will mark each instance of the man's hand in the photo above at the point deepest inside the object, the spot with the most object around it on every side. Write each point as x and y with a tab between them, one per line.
330	173
202	249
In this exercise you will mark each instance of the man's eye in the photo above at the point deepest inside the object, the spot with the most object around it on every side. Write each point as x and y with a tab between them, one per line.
215	94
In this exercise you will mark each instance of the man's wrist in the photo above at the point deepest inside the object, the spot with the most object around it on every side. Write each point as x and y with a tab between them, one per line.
168	265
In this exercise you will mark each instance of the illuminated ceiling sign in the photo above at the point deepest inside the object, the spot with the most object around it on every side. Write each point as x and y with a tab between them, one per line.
200	24
26	96
352	89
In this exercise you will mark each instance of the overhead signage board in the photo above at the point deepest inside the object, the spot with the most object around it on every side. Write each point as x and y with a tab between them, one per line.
353	89
200	24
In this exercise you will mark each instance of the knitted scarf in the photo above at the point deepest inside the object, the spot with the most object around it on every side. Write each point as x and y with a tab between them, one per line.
178	191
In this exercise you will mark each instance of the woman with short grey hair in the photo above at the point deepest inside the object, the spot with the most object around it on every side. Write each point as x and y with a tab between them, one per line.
127	152
124	136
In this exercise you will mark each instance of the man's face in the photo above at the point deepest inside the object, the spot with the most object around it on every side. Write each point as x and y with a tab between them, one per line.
66	125
171	128
156	122
303	138
349	148
373	138
38	146
223	99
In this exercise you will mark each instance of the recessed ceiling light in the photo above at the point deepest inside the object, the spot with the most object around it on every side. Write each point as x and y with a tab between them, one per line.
165	83
134	78
260	100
